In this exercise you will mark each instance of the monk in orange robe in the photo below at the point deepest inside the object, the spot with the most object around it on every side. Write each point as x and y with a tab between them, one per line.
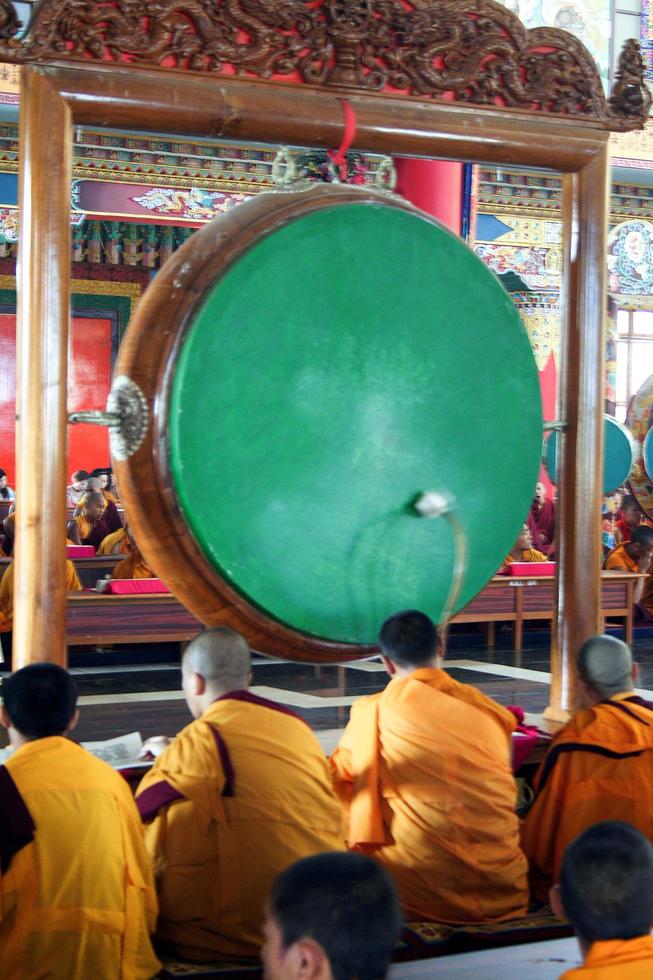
112	519
73	584
598	767
606	892
634	555
133	566
523	549
242	793
91	524
631	517
77	896
116	543
423	771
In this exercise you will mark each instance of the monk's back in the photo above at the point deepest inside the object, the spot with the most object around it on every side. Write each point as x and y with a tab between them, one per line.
449	798
82	890
598	767
254	795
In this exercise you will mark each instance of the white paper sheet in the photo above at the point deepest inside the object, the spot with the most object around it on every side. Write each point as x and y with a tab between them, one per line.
120	753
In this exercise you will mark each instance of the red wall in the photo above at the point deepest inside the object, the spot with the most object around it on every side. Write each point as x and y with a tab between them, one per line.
549	390
88	386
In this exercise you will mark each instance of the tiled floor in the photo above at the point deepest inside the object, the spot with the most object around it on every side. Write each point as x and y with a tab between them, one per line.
146	697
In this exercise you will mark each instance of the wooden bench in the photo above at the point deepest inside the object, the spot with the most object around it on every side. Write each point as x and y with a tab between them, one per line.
102	619
95	619
88	569
519	599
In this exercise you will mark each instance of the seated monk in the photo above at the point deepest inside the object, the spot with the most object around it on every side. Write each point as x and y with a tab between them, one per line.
631	517
606	892
242	793
599	766
330	915
91	524
112	517
523	549
77	897
116	543
73	584
423	771
133	566
541	520
634	555
9	528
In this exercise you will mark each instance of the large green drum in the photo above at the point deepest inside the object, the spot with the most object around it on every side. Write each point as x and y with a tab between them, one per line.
313	363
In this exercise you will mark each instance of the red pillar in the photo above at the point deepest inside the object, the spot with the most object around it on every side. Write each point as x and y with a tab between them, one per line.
435	186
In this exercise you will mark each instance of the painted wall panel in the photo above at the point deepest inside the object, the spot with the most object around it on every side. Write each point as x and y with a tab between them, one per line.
89	382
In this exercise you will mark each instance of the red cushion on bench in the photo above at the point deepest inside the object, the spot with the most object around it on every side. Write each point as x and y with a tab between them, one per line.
80	551
132	586
531	568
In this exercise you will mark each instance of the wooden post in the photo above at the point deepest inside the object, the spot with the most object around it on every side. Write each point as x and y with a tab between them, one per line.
42	287
585	203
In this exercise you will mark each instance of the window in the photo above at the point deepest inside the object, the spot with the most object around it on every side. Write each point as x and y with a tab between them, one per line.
634	354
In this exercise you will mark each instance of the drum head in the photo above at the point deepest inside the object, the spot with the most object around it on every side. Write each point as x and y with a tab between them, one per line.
322	358
619	454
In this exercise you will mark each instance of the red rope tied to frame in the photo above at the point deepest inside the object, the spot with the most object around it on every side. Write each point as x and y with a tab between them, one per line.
339	157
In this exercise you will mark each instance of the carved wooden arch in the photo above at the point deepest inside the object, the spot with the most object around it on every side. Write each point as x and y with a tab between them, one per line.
471	51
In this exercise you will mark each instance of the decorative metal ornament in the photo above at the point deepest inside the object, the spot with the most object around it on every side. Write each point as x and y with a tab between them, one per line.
126	418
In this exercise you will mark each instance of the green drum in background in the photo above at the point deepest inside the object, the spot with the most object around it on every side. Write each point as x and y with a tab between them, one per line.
619	454
647	454
343	363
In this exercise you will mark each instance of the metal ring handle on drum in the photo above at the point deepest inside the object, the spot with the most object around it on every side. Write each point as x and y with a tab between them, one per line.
126	417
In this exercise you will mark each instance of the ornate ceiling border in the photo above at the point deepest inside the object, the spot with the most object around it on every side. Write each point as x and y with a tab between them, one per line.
474	52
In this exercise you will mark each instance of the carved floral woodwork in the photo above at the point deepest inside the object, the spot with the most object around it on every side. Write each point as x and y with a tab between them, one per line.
470	51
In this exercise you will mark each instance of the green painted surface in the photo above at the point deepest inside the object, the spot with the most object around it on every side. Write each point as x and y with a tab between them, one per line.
618	460
347	362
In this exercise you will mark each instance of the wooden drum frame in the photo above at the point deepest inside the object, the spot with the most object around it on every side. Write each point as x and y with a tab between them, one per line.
369	533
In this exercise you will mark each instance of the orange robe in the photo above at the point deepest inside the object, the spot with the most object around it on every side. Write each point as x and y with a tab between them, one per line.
621	560
241	793
77	895
423	769
73	584
616	959
108	544
530	554
132	566
598	767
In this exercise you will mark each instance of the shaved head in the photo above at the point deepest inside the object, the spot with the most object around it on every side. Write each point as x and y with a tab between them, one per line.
94	484
606	665
222	657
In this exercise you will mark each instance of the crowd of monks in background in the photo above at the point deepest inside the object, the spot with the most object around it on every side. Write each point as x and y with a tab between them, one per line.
95	520
236	842
626	535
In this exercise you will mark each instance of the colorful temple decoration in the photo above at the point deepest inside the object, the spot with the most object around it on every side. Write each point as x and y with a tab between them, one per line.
630	259
646	36
540	313
122	243
612	335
